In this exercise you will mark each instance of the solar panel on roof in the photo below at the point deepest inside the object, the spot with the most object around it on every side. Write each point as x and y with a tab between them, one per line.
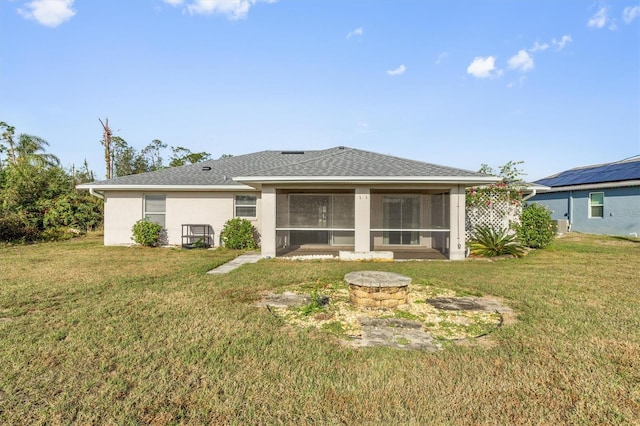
612	172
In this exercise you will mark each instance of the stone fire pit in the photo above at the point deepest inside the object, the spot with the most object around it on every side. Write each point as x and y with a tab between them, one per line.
375	289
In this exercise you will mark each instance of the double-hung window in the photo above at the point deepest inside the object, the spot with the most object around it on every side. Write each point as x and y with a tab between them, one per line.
155	208
596	205
245	206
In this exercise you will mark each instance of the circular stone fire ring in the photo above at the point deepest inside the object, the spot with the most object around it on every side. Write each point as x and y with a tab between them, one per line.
375	289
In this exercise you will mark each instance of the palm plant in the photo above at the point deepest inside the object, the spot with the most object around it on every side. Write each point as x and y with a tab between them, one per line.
489	242
31	149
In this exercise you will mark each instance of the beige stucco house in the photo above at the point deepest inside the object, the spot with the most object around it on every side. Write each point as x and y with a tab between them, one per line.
338	198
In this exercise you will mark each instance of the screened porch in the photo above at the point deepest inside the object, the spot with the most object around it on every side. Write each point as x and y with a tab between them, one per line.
413	225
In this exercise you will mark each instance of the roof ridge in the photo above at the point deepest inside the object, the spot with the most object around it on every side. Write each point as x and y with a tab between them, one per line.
593	166
412	160
303	160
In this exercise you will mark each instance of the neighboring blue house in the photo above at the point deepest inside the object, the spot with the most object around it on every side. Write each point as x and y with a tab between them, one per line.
599	199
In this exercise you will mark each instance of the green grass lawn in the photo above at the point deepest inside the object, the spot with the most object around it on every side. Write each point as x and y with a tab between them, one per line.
93	334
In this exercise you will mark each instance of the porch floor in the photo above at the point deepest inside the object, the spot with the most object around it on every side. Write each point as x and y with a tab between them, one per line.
399	253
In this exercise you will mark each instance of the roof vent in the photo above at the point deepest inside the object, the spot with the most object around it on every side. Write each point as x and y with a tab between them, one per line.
292	152
341	147
206	168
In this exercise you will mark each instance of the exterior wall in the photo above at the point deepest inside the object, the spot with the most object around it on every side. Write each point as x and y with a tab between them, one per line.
124	208
121	210
556	202
621	210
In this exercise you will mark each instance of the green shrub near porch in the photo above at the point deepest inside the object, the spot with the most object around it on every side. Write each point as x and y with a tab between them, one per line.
536	227
239	234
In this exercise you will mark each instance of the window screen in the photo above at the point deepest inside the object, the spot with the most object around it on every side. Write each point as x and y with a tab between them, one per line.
596	204
245	206
155	208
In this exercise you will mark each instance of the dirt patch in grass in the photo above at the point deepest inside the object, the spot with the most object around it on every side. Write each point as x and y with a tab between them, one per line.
430	316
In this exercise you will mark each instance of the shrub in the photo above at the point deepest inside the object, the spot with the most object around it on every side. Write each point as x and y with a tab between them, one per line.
239	234
146	233
59	234
488	242
15	227
536	228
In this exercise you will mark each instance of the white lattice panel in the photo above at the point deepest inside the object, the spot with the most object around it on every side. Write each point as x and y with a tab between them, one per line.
495	212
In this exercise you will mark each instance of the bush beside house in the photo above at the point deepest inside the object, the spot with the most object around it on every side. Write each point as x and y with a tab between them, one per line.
239	234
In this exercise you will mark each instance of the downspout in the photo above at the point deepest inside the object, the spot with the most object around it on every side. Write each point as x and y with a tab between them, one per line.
533	194
96	194
570	210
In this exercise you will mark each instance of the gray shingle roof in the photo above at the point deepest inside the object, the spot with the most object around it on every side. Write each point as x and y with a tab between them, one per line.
333	162
349	162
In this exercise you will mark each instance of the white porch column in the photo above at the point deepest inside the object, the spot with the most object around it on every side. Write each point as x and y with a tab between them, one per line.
268	231
457	223
363	220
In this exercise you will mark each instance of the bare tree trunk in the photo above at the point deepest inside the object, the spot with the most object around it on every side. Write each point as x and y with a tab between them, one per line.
106	142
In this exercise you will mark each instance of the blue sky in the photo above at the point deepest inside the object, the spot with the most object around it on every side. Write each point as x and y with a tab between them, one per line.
555	84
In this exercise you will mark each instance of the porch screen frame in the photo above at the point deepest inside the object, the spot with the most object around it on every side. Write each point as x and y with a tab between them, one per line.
419	229
324	225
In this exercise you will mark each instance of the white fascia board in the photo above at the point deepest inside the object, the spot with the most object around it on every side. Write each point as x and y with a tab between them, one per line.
467	180
603	185
536	187
168	188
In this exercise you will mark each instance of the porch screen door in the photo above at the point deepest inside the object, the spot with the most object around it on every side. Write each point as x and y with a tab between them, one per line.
401	214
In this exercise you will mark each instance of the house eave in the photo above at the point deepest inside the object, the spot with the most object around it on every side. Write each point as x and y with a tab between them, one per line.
456	180
601	185
167	188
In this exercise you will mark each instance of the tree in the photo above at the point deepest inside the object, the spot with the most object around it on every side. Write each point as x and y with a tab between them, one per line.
153	154
107	142
38	199
28	148
126	160
182	156
8	145
510	173
31	149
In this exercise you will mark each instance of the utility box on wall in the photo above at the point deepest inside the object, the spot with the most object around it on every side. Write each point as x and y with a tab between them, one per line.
561	226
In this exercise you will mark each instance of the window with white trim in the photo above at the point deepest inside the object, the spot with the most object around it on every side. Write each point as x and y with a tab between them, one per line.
155	206
596	205
245	206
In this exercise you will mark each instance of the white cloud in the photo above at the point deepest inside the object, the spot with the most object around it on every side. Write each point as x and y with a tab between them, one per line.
357	32
484	67
566	39
599	20
539	47
520	82
630	13
398	71
49	13
441	58
232	9
522	61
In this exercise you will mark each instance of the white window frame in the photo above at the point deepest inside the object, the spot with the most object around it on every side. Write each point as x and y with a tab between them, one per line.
591	206
254	205
146	213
